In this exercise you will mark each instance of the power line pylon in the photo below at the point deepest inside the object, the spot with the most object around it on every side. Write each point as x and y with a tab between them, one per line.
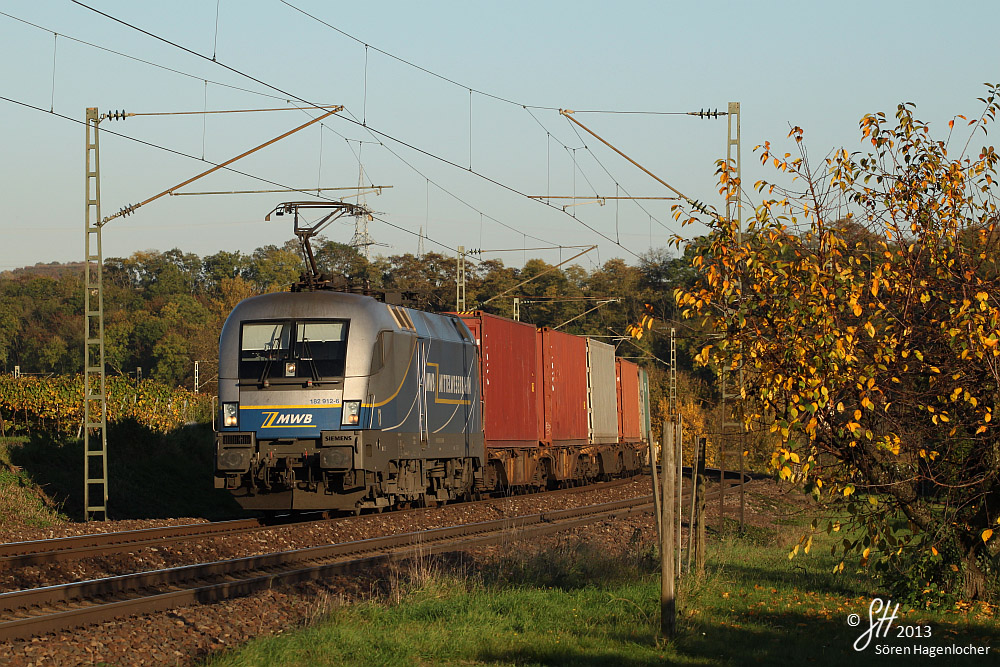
95	404
362	239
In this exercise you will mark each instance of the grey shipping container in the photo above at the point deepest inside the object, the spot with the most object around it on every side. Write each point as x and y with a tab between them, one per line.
602	392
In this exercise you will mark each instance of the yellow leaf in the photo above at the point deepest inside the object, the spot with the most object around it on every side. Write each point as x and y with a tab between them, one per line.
987	534
857	310
848	490
866	552
934	551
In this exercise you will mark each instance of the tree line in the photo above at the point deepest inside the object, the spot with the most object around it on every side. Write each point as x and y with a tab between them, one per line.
164	310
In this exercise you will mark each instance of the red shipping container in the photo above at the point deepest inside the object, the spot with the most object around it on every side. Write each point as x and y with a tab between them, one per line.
564	373
629	417
507	368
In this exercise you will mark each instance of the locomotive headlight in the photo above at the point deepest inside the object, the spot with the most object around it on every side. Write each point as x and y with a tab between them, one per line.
351	413
230	414
290	369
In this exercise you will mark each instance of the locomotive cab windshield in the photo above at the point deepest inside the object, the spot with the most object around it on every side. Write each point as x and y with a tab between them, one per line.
276	352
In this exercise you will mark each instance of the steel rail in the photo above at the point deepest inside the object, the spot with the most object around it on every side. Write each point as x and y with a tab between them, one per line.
36	552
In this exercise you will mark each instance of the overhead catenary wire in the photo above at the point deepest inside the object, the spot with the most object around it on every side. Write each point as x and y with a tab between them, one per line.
129	209
215	61
471	89
488	179
446	190
599	163
140	60
215	111
537	275
568	114
263	94
349	119
194	157
55	47
549	247
373	188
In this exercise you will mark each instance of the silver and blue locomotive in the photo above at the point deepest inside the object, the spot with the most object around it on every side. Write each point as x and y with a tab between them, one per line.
334	400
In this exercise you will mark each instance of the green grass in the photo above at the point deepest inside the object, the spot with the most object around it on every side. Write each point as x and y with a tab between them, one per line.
574	605
22	502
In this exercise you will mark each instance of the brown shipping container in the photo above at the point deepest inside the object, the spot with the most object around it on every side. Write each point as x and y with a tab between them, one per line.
629	417
564	371
602	391
507	370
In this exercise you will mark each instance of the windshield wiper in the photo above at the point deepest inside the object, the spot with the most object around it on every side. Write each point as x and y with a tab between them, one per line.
267	368
312	364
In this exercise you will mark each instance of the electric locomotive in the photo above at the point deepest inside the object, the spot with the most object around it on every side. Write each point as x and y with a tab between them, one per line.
334	400
331	399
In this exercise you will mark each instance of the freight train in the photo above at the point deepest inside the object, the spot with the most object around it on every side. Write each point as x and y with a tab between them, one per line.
336	400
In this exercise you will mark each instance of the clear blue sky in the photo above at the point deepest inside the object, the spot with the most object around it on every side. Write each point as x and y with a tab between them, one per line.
817	65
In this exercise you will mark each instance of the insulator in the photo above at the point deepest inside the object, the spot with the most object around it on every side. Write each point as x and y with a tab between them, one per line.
707	113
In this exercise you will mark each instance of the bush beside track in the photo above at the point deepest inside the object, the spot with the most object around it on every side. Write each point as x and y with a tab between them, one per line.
55	404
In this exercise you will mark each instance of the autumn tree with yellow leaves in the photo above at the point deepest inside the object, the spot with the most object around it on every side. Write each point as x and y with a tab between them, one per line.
863	304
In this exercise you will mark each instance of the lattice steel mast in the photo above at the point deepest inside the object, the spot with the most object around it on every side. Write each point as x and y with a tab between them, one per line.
95	413
732	379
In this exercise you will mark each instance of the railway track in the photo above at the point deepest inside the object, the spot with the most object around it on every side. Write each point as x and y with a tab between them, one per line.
36	611
54	608
21	554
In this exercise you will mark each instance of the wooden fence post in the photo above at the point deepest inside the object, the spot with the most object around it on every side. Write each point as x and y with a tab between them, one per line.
722	484
679	450
699	531
667	599
692	525
656	487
